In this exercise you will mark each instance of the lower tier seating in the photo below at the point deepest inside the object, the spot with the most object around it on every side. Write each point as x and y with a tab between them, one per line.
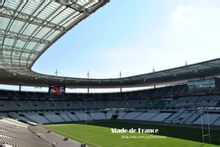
187	117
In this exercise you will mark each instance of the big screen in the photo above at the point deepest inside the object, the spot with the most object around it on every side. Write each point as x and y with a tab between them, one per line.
56	89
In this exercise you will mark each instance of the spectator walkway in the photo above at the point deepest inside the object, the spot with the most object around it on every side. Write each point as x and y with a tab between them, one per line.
53	138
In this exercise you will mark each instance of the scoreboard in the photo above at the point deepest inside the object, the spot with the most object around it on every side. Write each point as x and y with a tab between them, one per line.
56	89
197	85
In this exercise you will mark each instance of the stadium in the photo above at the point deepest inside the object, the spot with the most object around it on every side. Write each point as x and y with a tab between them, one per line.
181	107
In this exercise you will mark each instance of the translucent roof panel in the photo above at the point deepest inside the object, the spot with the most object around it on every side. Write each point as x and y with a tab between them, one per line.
28	28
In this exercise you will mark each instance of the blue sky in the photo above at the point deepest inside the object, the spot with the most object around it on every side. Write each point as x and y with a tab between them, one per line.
134	36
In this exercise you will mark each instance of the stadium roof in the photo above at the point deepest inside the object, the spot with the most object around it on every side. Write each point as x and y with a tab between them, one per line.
28	28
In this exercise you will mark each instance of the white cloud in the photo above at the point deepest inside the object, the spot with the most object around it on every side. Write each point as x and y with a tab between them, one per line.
193	16
184	16
191	34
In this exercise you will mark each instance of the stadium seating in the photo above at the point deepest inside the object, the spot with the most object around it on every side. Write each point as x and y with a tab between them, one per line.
147	116
160	117
121	114
183	116
132	115
97	115
44	109
173	116
83	116
217	122
209	100
207	119
64	116
193	117
16	134
72	116
109	114
54	118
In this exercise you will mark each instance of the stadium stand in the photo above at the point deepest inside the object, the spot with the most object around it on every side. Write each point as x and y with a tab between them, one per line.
207	119
73	107
131	115
183	116
216	122
83	116
72	116
16	134
110	115
65	117
35	117
43	108
98	115
147	116
160	117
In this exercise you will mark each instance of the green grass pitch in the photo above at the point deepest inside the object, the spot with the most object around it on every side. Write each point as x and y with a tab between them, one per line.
99	135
